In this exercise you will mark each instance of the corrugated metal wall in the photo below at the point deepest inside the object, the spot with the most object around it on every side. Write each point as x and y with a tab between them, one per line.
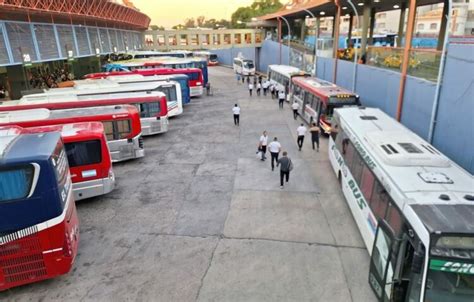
44	42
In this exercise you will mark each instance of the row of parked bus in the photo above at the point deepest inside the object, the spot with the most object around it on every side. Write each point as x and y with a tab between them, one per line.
58	146
413	206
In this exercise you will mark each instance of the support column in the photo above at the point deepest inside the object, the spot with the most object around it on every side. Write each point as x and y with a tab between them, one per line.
371	27
442	29
406	56
279	38
365	27
401	24
303	29
349	33
336	40
316	37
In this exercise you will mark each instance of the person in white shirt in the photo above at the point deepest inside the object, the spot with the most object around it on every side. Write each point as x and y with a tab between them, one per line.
250	88
236	111
259	87
281	98
300	131
265	86
274	147
262	144
295	106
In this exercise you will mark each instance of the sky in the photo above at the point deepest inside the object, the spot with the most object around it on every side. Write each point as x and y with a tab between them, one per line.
172	12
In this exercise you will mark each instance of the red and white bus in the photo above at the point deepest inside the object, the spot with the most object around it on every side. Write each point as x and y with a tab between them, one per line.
121	124
87	89
39	228
211	58
88	155
194	74
152	106
318	98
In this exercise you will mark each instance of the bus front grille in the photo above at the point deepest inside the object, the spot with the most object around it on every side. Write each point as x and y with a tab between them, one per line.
22	260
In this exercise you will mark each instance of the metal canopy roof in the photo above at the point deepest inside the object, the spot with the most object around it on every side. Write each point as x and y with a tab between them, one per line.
329	8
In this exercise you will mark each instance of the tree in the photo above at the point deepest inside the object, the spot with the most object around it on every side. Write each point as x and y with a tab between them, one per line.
200	21
156	27
256	9
189	23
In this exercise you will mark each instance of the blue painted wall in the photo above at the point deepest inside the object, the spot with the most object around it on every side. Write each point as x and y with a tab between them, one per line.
454	132
226	56
270	54
417	105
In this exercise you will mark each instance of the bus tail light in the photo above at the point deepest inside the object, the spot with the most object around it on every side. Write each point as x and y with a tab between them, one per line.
67	247
198	83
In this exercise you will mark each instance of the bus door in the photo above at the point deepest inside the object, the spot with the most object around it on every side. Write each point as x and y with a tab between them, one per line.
382	262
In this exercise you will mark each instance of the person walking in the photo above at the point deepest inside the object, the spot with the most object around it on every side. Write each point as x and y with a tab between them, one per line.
272	91
236	111
265	87
259	87
300	131
262	145
250	88
248	79
295	106
281	98
285	168
274	147
238	78
315	135
243	78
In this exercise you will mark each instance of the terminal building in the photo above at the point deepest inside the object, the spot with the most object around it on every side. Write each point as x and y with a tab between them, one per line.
45	42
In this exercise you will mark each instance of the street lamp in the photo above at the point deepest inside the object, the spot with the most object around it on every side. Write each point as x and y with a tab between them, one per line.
316	37
354	72
289	36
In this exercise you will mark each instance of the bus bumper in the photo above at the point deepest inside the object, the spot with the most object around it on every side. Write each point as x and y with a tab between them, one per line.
196	91
126	149
92	188
153	126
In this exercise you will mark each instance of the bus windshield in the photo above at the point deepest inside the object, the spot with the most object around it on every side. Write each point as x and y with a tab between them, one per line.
84	153
451	270
149	109
15	183
248	64
450	281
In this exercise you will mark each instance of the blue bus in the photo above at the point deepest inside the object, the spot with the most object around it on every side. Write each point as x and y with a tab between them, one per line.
39	228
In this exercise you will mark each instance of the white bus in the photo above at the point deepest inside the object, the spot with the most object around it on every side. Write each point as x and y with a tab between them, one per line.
243	66
281	75
85	89
413	206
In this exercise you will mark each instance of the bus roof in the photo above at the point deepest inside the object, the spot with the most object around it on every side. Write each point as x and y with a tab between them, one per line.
284	69
43	98
89	88
11	117
322	88
438	190
141	78
17	147
73	132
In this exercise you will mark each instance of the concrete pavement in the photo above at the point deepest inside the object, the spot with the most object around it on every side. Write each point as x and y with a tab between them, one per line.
200	218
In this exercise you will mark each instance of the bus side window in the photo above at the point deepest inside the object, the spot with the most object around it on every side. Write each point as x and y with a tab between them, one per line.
123	128
109	130
357	166
367	183
347	151
394	218
379	201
